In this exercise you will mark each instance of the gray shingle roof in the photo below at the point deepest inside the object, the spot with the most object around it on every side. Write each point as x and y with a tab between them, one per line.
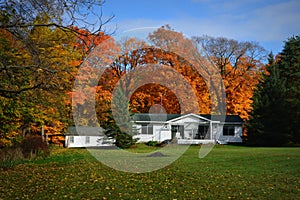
147	117
83	131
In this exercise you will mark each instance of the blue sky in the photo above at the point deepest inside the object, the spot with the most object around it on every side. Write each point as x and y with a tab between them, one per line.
268	22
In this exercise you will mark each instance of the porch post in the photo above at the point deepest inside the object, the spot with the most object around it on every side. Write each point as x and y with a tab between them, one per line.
43	133
211	131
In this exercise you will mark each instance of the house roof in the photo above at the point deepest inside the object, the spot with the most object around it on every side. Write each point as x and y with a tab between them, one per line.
85	131
148	117
228	118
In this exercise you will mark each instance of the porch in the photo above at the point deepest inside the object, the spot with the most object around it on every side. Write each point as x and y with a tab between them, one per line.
195	141
192	132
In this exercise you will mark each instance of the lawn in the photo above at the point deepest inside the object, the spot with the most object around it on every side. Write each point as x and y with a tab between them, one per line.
228	172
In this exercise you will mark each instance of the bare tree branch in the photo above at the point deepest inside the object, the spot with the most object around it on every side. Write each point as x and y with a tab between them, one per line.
21	18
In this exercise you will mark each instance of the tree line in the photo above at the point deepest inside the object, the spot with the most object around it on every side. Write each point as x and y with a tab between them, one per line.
275	115
42	51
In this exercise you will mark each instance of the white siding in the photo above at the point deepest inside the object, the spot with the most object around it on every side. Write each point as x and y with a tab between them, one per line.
83	141
160	133
236	138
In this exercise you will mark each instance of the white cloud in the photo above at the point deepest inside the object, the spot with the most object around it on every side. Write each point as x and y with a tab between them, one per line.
272	23
269	23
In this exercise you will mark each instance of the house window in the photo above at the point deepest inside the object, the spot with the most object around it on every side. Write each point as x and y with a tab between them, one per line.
72	139
228	130
147	129
87	139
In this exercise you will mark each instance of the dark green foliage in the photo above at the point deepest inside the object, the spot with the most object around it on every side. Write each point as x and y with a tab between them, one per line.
152	143
118	123
275	117
290	69
271	59
265	126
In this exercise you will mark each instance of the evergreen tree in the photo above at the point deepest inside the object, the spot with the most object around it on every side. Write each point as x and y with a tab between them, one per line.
275	118
118	123
266	125
289	65
271	59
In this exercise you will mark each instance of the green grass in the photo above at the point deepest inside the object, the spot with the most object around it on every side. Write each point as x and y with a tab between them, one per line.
228	172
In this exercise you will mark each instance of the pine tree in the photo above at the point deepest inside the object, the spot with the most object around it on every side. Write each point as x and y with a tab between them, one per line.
118	123
271	59
266	126
290	69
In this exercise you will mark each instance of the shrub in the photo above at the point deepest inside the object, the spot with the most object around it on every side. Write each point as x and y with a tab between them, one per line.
152	143
124	140
9	157
34	147
30	148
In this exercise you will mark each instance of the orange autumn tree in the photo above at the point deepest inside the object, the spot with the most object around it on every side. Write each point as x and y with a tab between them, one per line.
173	75
240	84
33	85
92	48
145	97
181	54
240	65
67	53
133	66
38	62
43	95
141	65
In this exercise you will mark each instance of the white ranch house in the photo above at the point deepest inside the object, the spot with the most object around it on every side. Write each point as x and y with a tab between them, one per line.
189	129
184	129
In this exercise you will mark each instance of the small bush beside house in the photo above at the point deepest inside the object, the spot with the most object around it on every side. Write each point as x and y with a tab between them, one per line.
32	147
